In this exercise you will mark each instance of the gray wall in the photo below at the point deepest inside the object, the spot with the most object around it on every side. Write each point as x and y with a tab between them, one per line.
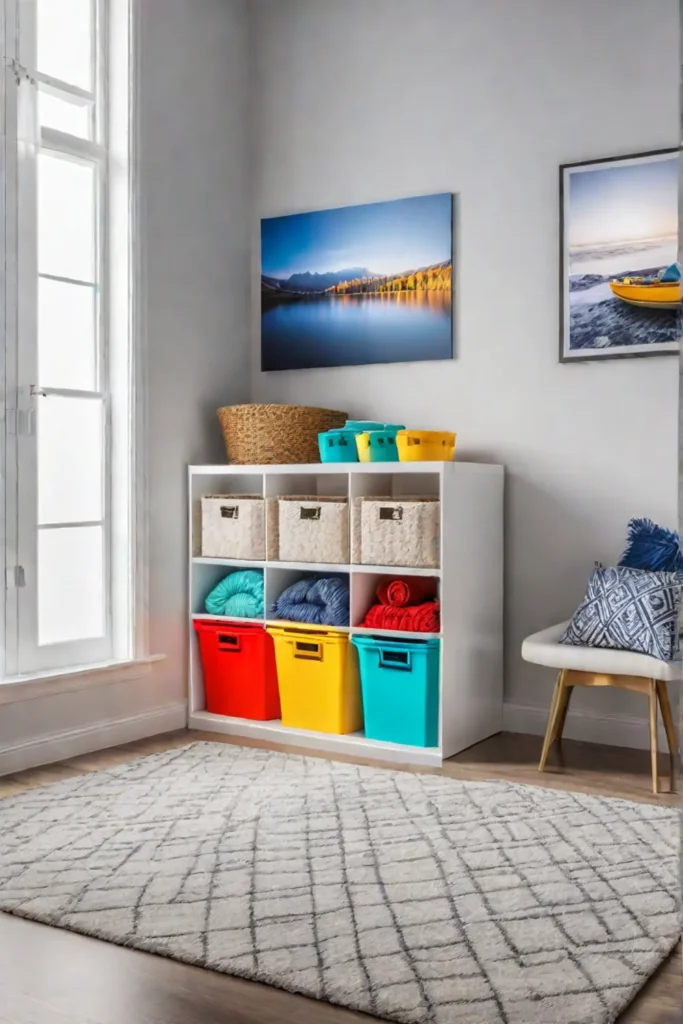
366	100
360	101
194	168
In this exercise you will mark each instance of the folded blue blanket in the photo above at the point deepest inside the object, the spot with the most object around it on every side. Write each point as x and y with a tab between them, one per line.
322	602
240	594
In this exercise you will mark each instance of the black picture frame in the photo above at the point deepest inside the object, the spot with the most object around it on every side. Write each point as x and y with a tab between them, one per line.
624	351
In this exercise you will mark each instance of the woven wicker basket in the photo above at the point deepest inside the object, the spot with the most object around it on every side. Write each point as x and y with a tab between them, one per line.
314	529
400	531
233	526
267	435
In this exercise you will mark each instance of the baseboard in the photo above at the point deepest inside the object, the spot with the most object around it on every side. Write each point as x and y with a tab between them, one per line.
614	731
611	730
62	746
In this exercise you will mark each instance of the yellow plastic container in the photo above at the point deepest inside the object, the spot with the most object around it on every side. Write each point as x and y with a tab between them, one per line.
318	679
378	444
363	447
425	445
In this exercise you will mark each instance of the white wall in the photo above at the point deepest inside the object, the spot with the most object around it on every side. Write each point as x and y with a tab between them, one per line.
194	167
194	235
361	101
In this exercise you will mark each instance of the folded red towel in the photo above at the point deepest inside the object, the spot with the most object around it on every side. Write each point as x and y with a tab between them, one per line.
425	618
401	592
420	618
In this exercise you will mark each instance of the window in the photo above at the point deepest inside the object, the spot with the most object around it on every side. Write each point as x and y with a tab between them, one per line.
68	524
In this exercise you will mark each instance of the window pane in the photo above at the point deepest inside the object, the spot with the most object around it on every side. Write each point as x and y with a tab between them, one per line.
66	218
70	584
66	335
65	34
70	449
65	116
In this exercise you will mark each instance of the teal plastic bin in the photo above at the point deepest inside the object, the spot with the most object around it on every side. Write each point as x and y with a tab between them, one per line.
358	426
400	686
338	446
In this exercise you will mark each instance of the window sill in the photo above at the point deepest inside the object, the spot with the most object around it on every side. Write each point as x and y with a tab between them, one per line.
47	684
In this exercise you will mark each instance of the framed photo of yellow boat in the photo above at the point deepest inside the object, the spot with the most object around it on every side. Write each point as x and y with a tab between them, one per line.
620	283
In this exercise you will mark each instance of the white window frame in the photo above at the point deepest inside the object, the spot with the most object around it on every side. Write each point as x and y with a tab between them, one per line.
121	381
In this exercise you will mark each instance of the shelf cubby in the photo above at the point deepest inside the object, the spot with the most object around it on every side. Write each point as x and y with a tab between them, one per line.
205	575
215	482
278	578
364	595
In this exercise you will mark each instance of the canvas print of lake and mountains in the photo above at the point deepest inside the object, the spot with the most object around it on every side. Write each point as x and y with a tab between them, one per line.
620	280
359	284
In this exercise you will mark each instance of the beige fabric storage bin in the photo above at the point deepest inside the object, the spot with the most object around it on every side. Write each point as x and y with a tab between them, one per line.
233	526
313	529
400	532
355	511
272	530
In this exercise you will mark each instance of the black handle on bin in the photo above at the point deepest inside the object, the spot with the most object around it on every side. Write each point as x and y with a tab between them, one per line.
391	512
394	659
228	642
304	649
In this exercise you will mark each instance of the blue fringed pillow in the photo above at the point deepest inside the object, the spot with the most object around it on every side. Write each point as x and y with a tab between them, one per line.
629	610
652	548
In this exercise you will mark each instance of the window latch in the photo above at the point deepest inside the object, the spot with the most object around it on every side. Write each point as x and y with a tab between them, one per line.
21	74
37	392
15	577
20	422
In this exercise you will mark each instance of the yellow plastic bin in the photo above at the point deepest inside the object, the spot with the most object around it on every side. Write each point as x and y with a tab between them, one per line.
318	679
378	445
425	445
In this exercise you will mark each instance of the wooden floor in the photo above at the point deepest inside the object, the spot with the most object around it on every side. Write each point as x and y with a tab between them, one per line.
49	976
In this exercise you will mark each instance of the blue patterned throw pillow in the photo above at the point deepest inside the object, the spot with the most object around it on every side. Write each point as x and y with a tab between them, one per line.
629	610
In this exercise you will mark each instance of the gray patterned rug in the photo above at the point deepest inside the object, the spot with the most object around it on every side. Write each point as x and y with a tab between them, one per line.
412	897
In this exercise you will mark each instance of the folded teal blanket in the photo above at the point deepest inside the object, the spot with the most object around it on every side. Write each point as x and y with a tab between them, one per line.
240	594
322	602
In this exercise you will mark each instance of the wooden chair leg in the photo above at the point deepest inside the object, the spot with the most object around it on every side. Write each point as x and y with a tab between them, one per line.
565	698
552	720
670	730
653	736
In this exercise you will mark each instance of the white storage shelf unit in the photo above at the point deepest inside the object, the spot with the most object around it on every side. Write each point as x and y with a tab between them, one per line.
469	581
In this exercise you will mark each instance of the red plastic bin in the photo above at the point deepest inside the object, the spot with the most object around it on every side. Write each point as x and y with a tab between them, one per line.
240	677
